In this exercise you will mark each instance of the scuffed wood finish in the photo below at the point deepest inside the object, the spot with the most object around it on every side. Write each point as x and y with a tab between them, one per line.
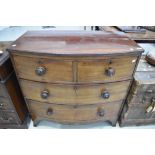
13	111
76	74
140	98
5	63
90	71
74	94
55	70
70	114
87	70
8	117
5	70
138	112
5	104
74	43
16	97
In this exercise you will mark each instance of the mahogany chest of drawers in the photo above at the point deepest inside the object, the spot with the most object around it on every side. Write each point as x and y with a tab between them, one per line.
74	76
13	110
139	108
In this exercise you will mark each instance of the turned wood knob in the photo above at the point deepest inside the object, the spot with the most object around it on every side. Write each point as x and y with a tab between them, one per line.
45	94
50	111
110	71
101	112
105	94
40	71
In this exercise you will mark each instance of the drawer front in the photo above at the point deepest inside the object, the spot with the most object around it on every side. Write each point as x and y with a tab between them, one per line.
5	104
43	69
3	92
74	94
109	70
7	117
71	114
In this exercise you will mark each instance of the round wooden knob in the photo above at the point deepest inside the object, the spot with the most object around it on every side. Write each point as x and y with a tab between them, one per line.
110	71
40	71
45	94
105	94
50	111
101	112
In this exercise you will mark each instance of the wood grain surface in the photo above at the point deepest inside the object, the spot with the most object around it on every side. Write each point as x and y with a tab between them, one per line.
92	70
70	114
74	43
56	71
89	71
77	67
74	94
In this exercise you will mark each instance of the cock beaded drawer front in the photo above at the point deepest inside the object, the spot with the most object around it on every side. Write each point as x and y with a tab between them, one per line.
74	76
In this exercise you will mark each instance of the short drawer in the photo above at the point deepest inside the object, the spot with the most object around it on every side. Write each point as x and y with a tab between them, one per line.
74	94
5	104
8	117
74	114
43	69
108	70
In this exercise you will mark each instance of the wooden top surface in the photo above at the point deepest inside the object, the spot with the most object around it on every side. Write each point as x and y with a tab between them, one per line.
74	43
148	36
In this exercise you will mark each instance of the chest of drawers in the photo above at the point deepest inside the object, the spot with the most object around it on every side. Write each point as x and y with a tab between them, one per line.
74	76
13	110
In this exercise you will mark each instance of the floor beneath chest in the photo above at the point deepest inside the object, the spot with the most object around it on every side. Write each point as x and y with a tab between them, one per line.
104	125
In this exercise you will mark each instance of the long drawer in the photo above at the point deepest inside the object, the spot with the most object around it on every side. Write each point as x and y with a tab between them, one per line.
41	69
74	94
74	114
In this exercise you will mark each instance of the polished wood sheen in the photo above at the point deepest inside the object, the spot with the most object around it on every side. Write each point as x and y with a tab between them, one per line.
63	71
55	70
74	94
74	43
80	114
74	76
96	70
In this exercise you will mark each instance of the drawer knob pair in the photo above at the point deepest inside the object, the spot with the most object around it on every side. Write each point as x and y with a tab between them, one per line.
105	94
40	70
110	71
45	94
